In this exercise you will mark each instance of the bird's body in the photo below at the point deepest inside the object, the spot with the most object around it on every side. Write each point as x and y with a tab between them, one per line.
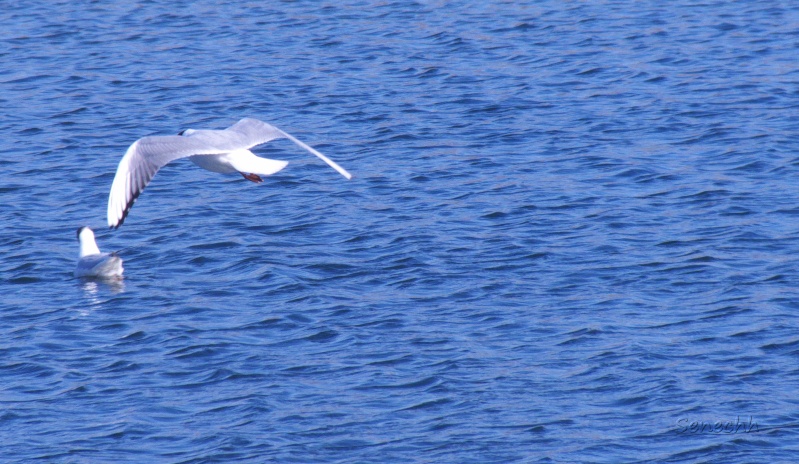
93	263
243	161
223	151
220	163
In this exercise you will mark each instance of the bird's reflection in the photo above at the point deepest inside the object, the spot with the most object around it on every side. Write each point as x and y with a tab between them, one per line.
92	287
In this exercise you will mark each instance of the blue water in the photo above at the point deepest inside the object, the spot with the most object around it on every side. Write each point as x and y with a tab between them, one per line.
573	233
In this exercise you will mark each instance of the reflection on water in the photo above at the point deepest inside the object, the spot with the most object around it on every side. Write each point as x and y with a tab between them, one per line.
92	287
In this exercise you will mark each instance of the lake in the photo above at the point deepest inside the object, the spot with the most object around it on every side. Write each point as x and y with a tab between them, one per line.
572	234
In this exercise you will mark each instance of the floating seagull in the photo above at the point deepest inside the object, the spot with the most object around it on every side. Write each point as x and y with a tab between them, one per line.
92	263
224	151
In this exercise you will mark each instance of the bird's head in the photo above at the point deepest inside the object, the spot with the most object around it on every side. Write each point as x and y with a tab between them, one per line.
84	233
87	244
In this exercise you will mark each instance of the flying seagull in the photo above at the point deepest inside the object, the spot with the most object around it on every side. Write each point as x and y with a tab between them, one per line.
92	263
223	151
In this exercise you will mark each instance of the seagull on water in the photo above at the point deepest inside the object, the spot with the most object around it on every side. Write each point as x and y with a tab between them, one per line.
92	263
223	151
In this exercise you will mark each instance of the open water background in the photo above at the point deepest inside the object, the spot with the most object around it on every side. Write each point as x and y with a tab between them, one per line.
573	231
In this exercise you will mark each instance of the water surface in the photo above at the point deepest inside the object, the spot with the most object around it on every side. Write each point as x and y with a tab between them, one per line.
573	233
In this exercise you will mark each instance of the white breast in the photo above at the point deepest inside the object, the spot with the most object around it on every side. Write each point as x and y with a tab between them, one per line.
214	163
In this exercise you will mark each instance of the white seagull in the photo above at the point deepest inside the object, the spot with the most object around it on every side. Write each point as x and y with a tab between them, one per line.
224	151
92	263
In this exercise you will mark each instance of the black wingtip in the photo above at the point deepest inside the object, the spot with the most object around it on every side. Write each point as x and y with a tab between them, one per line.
126	211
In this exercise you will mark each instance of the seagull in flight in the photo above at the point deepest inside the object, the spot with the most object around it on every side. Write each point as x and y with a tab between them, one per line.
92	263
223	151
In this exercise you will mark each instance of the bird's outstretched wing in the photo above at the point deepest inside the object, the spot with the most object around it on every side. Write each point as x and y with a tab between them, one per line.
255	132
142	160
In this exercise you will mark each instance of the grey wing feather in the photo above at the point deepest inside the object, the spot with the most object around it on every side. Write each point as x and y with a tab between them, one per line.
245	134
141	162
256	132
